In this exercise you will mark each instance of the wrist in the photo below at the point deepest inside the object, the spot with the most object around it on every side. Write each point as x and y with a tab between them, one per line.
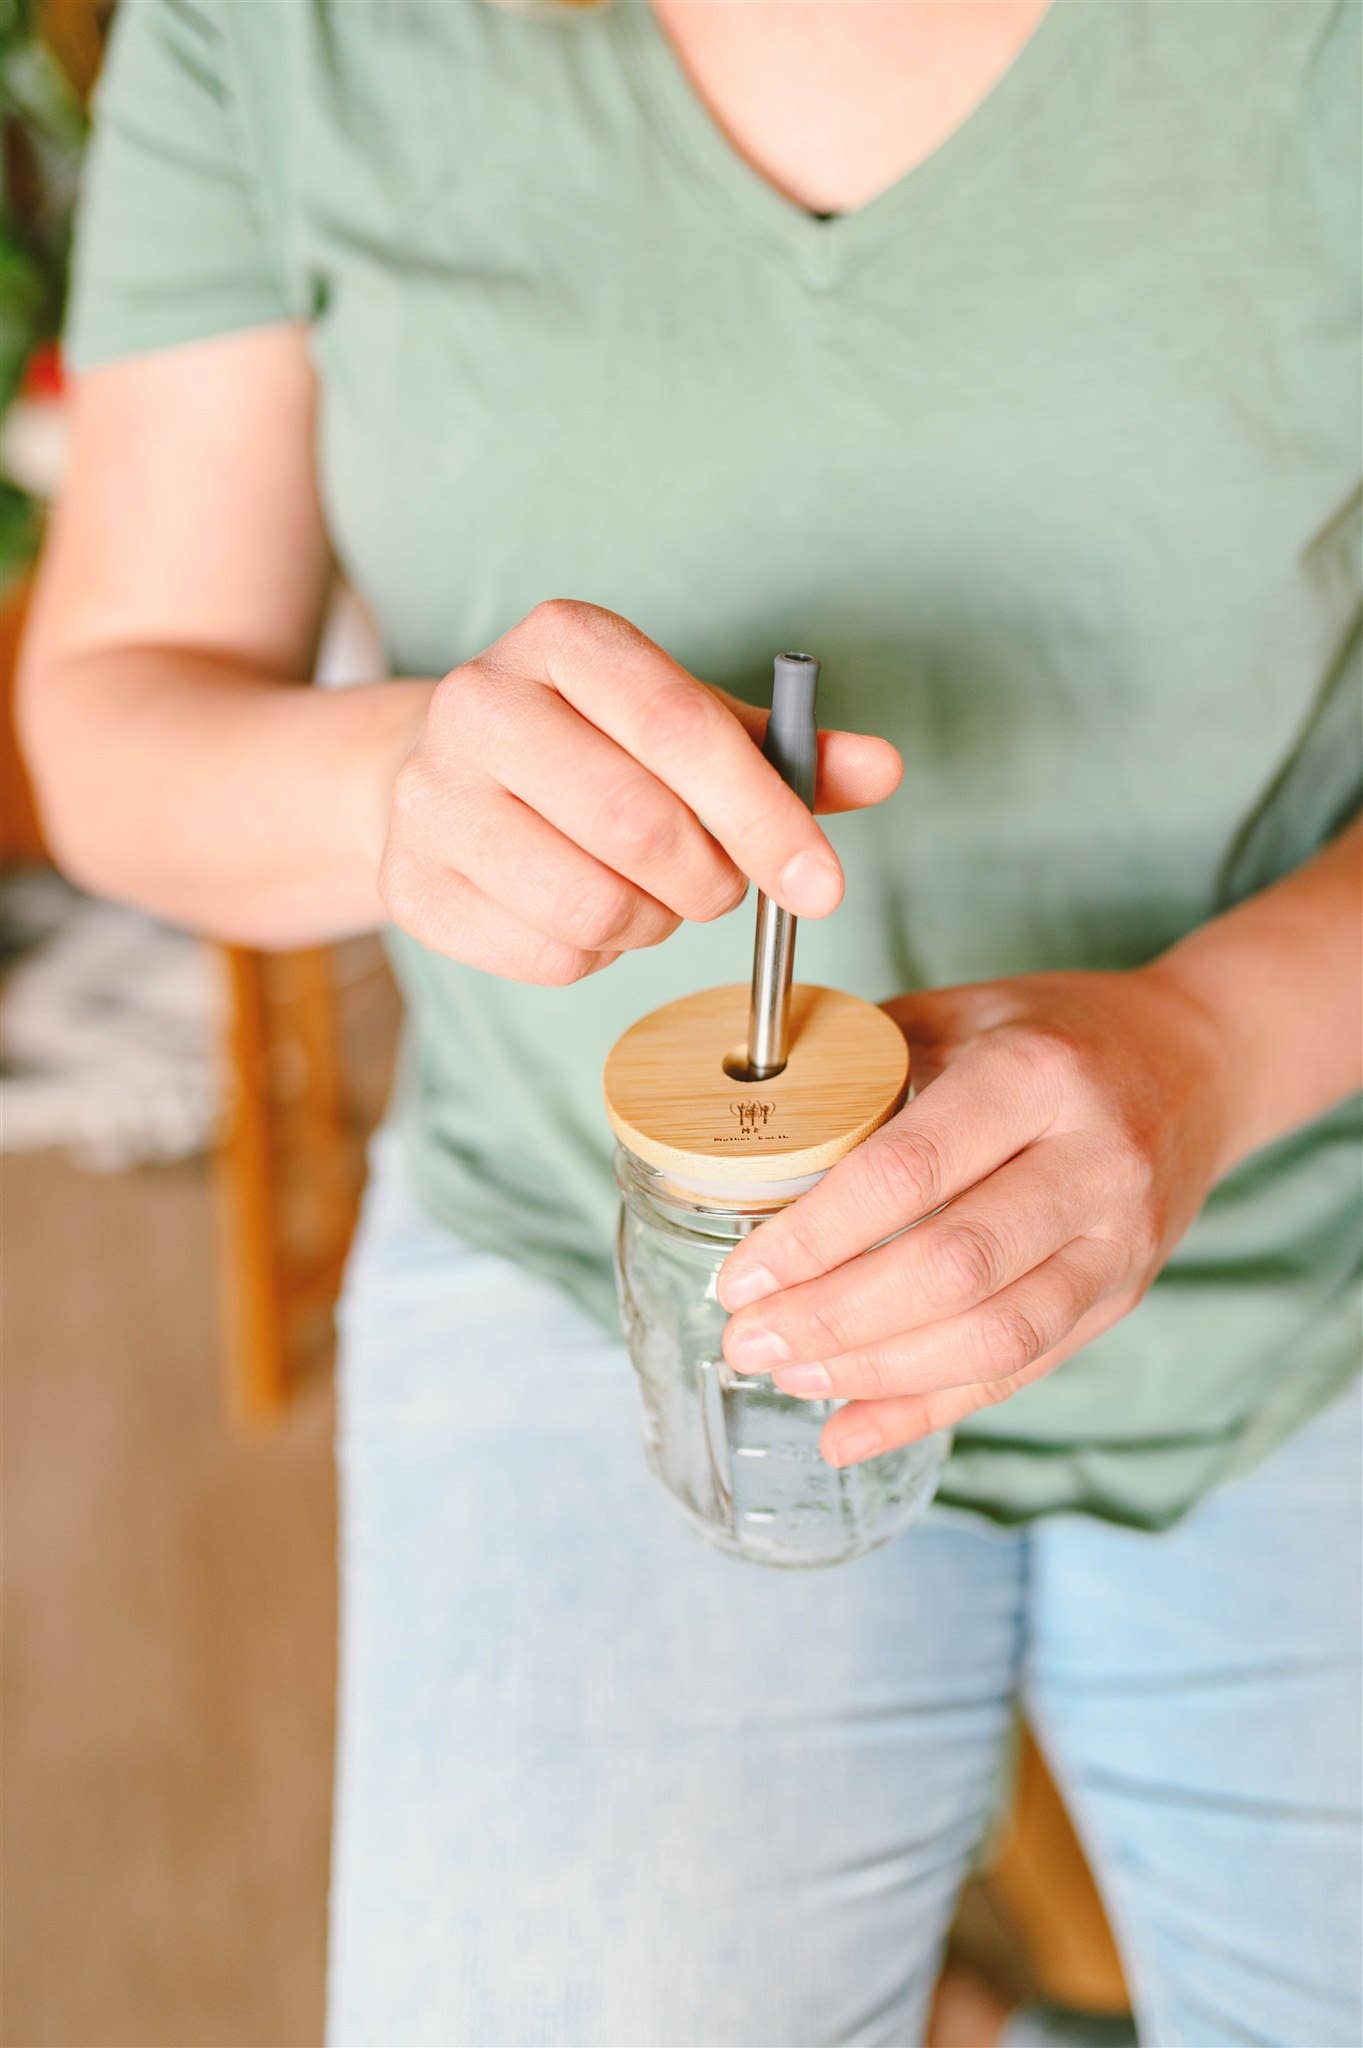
394	716
1219	1039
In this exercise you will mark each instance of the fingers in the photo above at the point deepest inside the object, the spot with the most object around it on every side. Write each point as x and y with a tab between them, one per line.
936	1377
579	779
519	860
447	913
546	754
979	1113
690	738
977	1245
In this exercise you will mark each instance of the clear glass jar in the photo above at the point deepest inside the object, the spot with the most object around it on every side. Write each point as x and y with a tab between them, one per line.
739	1457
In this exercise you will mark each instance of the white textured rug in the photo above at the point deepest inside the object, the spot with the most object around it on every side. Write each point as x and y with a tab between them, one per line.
108	1027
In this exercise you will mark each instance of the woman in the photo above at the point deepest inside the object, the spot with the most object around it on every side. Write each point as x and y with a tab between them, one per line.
1006	355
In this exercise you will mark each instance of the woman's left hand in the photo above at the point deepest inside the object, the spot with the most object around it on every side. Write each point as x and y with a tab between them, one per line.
1064	1133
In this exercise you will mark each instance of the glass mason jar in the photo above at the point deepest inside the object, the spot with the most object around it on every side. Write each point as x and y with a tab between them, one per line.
739	1457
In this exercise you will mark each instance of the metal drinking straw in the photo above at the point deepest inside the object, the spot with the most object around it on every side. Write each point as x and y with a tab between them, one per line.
792	748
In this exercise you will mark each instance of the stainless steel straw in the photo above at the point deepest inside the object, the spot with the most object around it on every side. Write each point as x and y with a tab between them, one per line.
792	748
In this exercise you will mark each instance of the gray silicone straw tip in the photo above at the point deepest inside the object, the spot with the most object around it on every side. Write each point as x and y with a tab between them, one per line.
792	742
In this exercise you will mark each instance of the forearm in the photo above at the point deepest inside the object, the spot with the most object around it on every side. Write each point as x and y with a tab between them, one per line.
248	808
1280	977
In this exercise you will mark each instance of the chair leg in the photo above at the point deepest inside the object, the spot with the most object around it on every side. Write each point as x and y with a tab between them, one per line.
255	1345
327	1152
287	1157
1044	1885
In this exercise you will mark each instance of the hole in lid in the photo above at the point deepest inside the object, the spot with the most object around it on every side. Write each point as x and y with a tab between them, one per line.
737	1067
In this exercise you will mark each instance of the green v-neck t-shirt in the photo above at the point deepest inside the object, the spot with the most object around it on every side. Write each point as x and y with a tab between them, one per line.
1051	452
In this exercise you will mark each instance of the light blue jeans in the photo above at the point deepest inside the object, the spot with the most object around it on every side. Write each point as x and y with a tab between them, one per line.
601	1787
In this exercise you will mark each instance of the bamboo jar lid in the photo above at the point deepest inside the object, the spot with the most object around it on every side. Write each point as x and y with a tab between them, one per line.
673	1098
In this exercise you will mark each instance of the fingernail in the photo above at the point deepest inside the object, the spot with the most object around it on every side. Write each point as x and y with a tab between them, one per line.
803	1379
810	884
756	1350
750	1283
852	1446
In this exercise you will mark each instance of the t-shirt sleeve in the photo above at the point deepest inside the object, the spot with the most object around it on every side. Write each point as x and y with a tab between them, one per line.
175	240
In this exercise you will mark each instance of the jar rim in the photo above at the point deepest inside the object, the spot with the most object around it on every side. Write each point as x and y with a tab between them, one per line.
755	1198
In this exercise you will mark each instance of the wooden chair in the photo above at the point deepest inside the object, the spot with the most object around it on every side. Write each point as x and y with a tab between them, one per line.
287	1168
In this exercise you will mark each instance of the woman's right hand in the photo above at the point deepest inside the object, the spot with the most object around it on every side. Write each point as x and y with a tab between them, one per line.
568	794
573	793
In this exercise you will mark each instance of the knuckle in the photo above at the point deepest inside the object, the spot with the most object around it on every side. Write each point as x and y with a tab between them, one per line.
653	924
637	823
562	622
800	1237
875	1379
719	900
933	1412
1130	1197
459	699
1048	1054
560	618
905	1172
554	965
401	894
970	1258
683	718
1011	1338
828	1329
410	794
1129	1165
595	913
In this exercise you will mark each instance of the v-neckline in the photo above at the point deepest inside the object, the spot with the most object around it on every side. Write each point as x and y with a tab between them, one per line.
823	248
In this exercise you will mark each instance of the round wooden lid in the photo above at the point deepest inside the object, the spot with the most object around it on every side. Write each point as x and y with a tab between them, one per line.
674	1102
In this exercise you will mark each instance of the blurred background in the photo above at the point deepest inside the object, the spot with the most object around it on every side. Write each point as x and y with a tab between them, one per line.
181	1144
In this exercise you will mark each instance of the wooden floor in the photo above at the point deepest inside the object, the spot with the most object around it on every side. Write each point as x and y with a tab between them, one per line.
169	1640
